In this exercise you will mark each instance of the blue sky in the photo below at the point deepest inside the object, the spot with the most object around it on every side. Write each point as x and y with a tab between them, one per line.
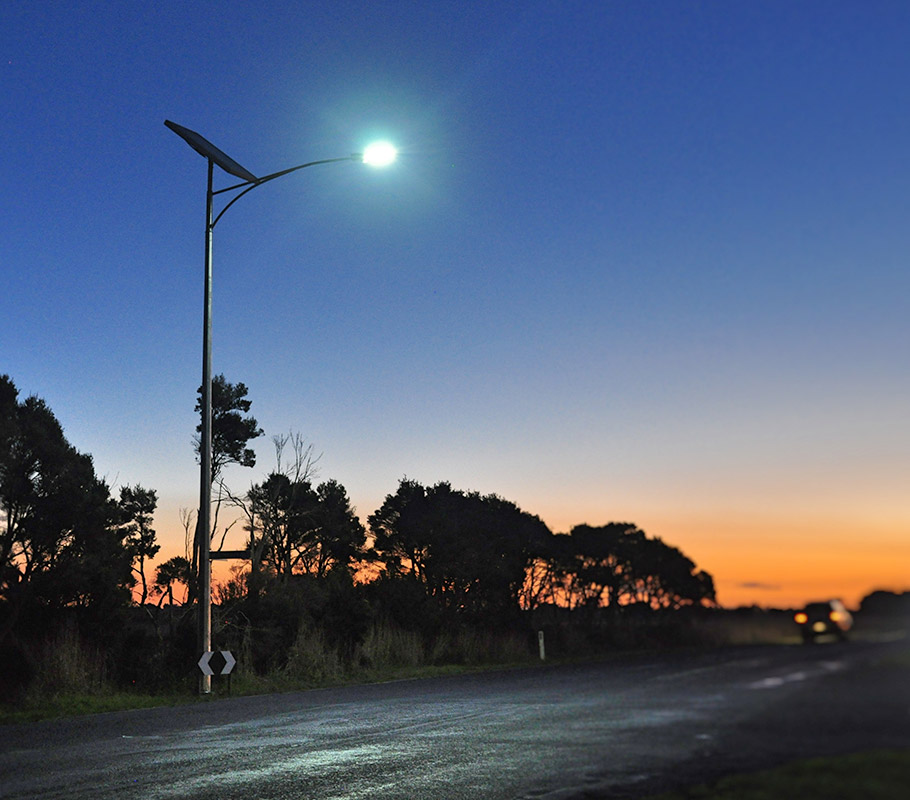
637	260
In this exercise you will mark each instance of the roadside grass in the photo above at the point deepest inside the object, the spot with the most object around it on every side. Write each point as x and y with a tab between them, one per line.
38	707
875	775
73	704
73	680
387	655
745	627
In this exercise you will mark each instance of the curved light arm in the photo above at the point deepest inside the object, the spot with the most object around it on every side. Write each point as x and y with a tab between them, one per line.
248	186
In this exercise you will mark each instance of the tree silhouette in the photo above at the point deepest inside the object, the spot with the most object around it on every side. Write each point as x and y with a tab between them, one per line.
137	506
616	564
338	538
231	430
174	570
471	553
603	559
305	530
665	578
400	529
60	545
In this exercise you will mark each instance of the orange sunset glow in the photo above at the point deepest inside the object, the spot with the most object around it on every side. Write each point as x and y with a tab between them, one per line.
767	561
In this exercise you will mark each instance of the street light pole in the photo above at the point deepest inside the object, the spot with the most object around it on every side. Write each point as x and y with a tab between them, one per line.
204	517
378	154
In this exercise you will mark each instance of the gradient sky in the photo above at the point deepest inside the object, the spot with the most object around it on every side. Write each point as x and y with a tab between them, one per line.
638	261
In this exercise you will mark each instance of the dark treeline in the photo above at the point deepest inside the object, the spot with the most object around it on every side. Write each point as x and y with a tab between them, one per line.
438	575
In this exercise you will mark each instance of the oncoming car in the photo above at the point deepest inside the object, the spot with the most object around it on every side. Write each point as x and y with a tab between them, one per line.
821	619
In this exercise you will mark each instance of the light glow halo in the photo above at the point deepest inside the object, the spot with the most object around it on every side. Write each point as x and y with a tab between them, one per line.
379	154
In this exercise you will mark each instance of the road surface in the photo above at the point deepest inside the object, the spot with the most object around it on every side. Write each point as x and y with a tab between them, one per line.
617	728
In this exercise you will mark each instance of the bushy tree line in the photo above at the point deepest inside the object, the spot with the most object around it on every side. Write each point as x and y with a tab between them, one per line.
68	548
615	565
432	559
468	554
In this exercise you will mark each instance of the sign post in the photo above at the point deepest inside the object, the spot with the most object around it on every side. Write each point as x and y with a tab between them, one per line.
218	662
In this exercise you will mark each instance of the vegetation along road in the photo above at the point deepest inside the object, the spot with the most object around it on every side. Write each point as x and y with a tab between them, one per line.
616	728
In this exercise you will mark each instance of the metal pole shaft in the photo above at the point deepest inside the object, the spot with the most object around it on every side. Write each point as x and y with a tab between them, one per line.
205	449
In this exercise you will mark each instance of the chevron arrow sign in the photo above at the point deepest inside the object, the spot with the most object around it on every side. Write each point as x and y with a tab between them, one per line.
217	662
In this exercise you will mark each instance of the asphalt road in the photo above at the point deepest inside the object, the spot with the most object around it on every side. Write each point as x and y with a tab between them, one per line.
617	728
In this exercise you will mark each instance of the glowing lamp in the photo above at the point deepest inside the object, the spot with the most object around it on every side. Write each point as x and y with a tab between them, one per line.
379	154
